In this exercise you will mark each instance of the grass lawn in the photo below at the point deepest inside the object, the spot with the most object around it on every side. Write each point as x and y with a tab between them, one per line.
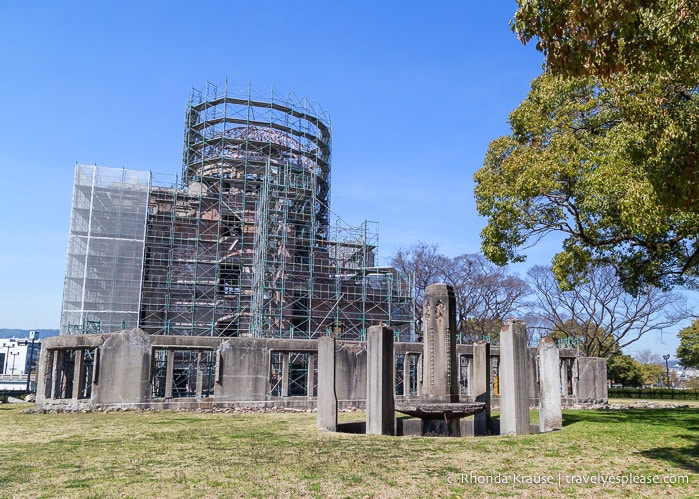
188	454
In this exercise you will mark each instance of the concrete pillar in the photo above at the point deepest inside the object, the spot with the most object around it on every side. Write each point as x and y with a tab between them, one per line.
564	378
469	376
169	373
514	379
480	386
311	375
550	415
420	372
199	387
380	404
440	381
406	375
77	372
533	366
55	358
285	374
327	398
43	386
60	376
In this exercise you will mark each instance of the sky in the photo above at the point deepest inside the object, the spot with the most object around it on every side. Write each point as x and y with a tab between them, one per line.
415	91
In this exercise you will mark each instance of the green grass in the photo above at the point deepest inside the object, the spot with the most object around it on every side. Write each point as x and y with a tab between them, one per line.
175	454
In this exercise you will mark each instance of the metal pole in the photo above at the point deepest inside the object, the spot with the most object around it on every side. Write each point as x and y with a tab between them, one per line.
14	356
667	368
7	358
32	336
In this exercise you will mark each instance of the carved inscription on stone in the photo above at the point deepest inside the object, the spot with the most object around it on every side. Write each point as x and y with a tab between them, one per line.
439	310
427	314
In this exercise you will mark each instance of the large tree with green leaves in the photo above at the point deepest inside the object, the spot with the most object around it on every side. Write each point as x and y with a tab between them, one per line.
586	158
605	38
630	40
605	148
688	351
625	370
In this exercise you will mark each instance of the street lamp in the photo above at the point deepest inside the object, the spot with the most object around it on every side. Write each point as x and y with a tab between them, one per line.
14	356
30	361
7	358
667	368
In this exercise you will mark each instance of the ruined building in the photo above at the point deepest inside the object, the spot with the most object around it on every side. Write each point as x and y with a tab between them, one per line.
241	245
214	289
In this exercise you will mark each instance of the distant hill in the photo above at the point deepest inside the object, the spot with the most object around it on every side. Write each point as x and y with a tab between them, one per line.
24	333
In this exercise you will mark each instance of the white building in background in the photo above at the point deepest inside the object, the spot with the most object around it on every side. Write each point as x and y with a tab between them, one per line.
19	355
685	373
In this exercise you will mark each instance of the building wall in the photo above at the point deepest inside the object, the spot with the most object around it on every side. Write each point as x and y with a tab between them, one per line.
14	355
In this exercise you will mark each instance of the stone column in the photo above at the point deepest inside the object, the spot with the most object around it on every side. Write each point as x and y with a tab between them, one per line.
380	405
406	376
43	376
169	373
311	375
327	398
550	415
564	378
200	377
480	386
533	370
77	372
285	374
514	379
440	380
57	373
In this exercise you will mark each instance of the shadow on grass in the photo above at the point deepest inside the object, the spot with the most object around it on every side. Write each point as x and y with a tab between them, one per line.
681	420
684	457
8	407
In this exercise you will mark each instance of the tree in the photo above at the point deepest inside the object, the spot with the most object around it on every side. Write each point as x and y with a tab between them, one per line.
651	367
485	294
648	357
600	313
425	265
590	339
625	370
604	38
653	374
688	351
611	166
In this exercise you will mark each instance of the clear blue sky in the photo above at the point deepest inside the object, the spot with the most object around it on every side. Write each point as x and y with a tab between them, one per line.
415	90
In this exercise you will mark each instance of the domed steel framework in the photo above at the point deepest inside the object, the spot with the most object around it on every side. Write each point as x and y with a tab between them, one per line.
245	246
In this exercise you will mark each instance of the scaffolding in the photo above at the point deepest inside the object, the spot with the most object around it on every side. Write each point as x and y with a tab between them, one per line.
242	244
104	264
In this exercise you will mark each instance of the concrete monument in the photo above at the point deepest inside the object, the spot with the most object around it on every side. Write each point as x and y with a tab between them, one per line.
550	415
514	379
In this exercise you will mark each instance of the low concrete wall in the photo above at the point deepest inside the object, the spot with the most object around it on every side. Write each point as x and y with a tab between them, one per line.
590	380
351	372
123	369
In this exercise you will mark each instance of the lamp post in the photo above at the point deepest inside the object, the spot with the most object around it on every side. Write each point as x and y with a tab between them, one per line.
30	360
14	356
7	358
667	368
